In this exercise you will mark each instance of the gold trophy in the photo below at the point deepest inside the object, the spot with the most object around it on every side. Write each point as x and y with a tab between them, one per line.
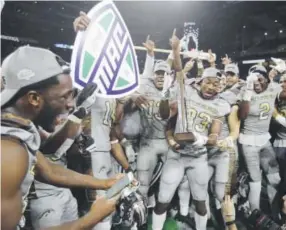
185	137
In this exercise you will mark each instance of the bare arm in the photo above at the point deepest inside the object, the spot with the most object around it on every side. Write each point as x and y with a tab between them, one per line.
214	131
234	122
243	110
14	165
117	150
57	175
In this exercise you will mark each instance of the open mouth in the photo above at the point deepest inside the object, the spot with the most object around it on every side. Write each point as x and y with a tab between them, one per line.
208	94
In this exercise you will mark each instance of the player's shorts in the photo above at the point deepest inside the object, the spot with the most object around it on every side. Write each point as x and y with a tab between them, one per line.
220	163
53	210
256	156
149	153
174	169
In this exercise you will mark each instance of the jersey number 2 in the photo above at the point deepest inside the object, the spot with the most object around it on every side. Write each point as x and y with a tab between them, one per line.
264	111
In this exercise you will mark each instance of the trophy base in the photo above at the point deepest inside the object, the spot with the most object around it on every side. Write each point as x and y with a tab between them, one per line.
184	138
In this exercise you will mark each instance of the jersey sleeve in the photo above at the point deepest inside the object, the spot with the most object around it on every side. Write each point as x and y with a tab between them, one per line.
224	109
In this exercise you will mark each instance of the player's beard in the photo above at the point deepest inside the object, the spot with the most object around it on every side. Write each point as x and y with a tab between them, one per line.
47	118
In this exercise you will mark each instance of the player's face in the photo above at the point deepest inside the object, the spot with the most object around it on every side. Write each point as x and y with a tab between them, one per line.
231	79
283	84
159	79
57	101
209	87
261	84
222	85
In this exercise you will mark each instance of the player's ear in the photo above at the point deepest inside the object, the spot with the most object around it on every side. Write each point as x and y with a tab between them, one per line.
35	99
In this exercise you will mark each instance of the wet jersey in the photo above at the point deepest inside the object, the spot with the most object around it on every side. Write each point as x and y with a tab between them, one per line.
199	116
153	127
26	132
256	125
102	117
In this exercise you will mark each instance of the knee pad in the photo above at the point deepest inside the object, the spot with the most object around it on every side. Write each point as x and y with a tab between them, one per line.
160	208
274	179
201	208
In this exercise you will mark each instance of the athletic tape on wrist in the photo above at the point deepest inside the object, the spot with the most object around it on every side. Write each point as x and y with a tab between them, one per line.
74	119
114	142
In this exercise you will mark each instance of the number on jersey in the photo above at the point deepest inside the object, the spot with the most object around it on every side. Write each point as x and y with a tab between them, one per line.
264	111
109	115
205	120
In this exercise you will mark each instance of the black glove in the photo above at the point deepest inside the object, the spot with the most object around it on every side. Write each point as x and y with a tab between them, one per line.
87	96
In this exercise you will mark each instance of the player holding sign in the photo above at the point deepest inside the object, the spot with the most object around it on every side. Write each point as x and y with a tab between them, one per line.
204	111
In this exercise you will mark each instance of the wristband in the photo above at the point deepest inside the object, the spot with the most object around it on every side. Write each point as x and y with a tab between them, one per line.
230	222
128	170
114	142
172	142
74	119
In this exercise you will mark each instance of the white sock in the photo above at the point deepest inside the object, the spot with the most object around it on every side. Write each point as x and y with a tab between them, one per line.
184	210
151	201
158	221
254	195
208	207
201	221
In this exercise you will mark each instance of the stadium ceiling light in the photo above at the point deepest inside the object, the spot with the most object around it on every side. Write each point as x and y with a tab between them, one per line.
280	31
265	33
275	21
244	27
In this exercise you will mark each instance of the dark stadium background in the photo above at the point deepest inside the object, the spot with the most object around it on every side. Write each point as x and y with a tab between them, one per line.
234	27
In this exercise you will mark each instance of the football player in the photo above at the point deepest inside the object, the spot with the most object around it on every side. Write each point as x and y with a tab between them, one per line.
204	112
53	205
256	105
153	143
280	141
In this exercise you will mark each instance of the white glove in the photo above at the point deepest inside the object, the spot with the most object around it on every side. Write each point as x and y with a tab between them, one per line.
227	143
280	65
129	151
250	81
200	140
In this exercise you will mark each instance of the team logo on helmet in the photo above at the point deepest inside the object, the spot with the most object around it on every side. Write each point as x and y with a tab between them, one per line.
104	54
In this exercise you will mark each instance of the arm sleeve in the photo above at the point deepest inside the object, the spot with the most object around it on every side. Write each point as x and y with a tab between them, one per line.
149	66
